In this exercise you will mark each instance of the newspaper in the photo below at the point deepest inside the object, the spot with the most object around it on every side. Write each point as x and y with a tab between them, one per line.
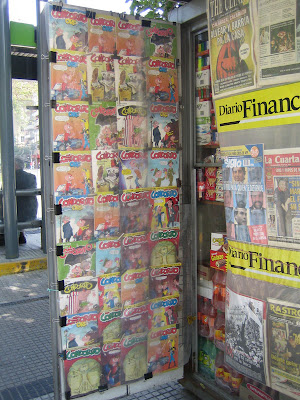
244	193
284	346
282	168
231	36
245	325
278	41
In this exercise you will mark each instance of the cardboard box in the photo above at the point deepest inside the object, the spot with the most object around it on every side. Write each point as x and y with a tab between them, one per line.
217	241
205	273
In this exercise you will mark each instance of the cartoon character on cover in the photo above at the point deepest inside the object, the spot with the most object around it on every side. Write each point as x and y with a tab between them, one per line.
157	87
85	133
82	227
60	41
169	316
83	84
66	79
138	175
108	81
158	321
165	288
86	301
170	172
172	350
107	223
157	175
132	222
111	301
171	130
100	179
172	88
156	134
77	44
87	181
71	341
137	134
91	337
67	228
69	178
158	213
69	134
75	272
112	175
171	213
87	234
111	371
134	260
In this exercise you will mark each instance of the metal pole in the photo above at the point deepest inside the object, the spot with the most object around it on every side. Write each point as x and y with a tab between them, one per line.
7	138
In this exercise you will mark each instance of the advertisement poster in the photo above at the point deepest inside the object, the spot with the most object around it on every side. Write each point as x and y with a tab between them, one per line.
163	126
106	170
107	216
162	82
103	126
278	41
101	77
130	79
231	35
282	169
102	34
161	40
244	193
163	168
284	346
245	326
108	256
130	38
132	126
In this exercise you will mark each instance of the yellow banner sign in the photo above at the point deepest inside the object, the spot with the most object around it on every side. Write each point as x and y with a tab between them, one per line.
268	264
268	107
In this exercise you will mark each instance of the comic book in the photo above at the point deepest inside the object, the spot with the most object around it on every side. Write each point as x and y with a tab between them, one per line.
109	323
161	40
163	312
163	246
79	296
70	126
162	80
81	330
102	34
108	255
101	77
164	281
130	38
68	30
107	216
69	76
133	357
135	252
103	126
130	79
83	370
163	126
132	125
109	291
106	170
133	170
163	349
73	174
76	222
164	209
135	319
111	355
163	168
134	211
134	286
78	260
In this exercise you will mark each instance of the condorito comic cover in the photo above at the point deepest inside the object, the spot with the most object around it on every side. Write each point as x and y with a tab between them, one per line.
134	211
103	126
107	216
133	357
111	354
133	170
164	281
130	79
135	251
163	247
106	170
101	77
109	323
163	126
108	257
161	40
102	34
163	168
132	126
163	312
130	38
164	209
162	82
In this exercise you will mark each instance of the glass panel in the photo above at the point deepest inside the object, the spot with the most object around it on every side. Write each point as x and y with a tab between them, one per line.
23	11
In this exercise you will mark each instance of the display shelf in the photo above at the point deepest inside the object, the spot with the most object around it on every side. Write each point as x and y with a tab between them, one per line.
206	165
212	202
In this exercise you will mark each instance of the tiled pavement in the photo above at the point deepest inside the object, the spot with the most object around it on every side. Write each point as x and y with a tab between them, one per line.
25	346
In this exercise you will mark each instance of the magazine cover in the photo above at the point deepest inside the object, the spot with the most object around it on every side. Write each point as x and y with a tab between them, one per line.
108	255
109	291
73	174
135	319
130	38
78	260
111	355
102	34
130	79
107	216
83	370
133	170
164	247
163	126
134	211
163	349
164	209
162	81
77	219
103	126
64	35
164	281
231	35
135	286
110	325
106	170
83	332
163	312
101	77
132	125
71	126
163	168
79	296
69	77
282	170
161	40
284	346
133	357
244	193
245	331
135	252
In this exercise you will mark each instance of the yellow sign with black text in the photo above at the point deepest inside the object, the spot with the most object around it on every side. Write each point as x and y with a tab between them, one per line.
278	105
265	263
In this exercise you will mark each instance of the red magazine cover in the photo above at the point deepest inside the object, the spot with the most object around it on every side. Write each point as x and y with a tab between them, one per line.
109	291
111	356
163	349
106	170
133	357
164	209
102	34
73	174
134	211
109	324
135	286
162	81
108	256
164	281
164	247
163	312
130	38
107	216
135	252
83	370
135	319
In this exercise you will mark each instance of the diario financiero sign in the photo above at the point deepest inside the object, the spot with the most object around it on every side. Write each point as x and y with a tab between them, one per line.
278	105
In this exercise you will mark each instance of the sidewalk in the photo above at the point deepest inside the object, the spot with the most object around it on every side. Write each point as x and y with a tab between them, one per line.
25	349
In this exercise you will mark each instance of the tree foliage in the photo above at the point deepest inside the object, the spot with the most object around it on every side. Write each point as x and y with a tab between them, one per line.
153	9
